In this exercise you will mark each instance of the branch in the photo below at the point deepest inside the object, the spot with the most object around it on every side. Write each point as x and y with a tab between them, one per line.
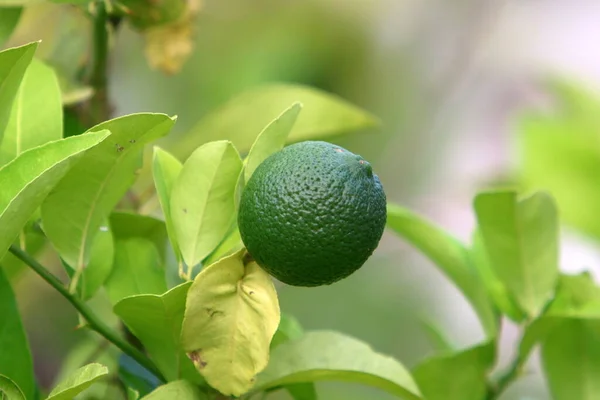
99	107
92	320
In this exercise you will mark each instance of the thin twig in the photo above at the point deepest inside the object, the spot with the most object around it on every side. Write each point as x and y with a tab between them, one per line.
86	312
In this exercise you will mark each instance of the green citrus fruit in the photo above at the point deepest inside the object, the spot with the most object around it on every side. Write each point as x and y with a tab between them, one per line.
312	213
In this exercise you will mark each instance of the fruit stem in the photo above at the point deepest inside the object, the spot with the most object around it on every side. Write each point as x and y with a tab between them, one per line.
95	323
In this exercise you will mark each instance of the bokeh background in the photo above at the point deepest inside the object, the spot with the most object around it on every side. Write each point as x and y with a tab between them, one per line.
450	81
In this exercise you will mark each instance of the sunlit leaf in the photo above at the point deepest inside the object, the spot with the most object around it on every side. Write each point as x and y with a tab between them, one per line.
521	239
231	315
202	199
15	357
89	192
10	390
13	64
243	117
78	381
156	321
271	139
449	255
331	356
36	116
27	180
180	390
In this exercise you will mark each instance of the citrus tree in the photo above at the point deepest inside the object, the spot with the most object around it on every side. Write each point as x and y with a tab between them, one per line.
188	272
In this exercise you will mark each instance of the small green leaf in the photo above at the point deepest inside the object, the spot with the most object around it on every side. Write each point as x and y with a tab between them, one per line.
521	239
27	180
78	381
450	256
9	18
10	390
126	225
100	265
242	118
136	270
89	192
332	356
231	315
229	245
458	376
36	116
156	321
180	390
13	64
202	200
166	169
497	291
15	357
571	359
271	139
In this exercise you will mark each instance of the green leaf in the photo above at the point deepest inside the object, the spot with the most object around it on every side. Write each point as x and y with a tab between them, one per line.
10	390
34	242
9	18
450	256
36	116
459	376
521	239
271	139
13	63
571	359
229	245
136	377
136	270
100	265
78	381
15	357
180	390
241	119
166	169
231	315
561	154
28	179
323	355
497	291
202	200
126	225
89	192
156	321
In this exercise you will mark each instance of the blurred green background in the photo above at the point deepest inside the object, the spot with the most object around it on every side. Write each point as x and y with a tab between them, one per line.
450	82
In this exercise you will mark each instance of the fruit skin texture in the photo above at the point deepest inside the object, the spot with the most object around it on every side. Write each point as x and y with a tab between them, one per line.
312	213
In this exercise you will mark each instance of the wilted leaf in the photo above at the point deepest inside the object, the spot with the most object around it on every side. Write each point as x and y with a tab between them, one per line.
27	180
202	200
323	355
78	381
231	315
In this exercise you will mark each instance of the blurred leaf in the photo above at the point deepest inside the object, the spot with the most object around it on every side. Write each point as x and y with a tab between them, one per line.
180	390
156	321
136	377
9	18
577	297
28	179
571	359
231	315
169	46
202	200
228	246
323	355
10	390
89	192
36	116
459	376
521	239
561	155
243	117
100	264
78	381
126	225
436	336
271	139
497	291
450	256
166	169
136	270
15	357
13	64
143	15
